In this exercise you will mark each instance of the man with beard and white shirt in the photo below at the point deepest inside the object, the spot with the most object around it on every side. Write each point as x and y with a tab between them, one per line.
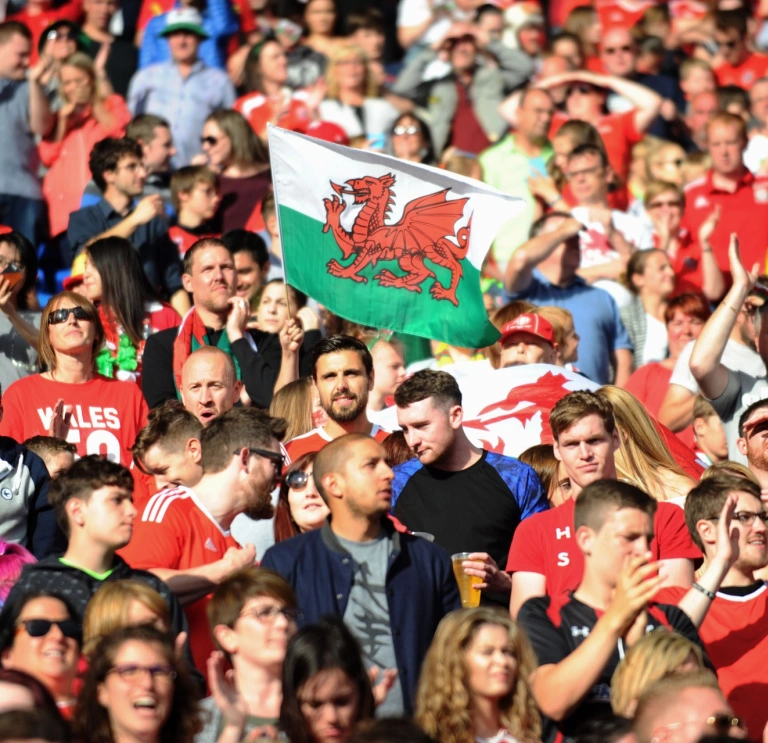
183	535
342	373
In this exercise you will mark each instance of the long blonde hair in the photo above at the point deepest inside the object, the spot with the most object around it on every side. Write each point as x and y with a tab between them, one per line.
443	699
347	51
293	402
642	457
653	657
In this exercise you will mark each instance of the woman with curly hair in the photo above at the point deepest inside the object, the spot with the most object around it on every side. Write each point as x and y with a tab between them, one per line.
135	689
473	684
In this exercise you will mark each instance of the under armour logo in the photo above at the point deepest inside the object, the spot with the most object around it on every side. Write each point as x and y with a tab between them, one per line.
580	631
209	545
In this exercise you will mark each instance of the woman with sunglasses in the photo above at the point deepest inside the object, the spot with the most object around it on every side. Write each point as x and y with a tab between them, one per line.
40	637
665	206
234	152
135	689
18	323
253	616
300	507
411	140
70	400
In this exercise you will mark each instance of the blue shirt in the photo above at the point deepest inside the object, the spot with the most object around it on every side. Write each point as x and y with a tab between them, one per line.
595	318
185	102
159	256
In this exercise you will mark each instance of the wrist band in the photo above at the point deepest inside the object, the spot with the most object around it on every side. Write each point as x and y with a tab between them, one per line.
699	587
731	308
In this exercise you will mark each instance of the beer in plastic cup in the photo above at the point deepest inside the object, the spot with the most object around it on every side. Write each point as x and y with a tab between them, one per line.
470	596
13	273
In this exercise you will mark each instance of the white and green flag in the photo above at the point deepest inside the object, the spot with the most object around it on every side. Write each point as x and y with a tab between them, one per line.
386	243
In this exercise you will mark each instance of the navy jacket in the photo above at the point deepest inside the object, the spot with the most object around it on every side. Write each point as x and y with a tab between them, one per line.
421	589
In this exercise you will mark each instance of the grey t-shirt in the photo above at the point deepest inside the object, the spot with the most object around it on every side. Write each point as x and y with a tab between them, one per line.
17	358
735	356
367	612
18	152
741	391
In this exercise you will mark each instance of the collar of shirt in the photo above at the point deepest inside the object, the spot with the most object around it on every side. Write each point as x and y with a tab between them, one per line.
509	144
577	281
747	179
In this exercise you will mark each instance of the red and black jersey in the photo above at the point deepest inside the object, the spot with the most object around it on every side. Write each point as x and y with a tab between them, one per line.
557	626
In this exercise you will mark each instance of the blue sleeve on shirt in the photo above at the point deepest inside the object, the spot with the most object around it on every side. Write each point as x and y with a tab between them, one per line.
154	48
618	338
403	473
522	481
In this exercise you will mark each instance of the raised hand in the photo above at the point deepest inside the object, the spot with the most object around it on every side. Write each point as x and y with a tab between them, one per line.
638	583
60	421
727	538
238	317
291	336
708	225
386	680
234	710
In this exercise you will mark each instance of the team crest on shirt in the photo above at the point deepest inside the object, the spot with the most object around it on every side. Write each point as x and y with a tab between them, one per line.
702	202
7	493
761	193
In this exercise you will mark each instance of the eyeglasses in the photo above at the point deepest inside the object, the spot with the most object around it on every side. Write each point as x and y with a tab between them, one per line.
726	44
746	518
297	479
269	614
59	36
659	204
721	722
276	458
62	315
132	672
583	89
400	130
210	141
616	49
41	627
587	171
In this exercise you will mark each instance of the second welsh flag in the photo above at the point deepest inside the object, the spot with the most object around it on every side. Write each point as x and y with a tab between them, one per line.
386	243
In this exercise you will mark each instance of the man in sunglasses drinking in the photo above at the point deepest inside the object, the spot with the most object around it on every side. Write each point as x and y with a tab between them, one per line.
183	536
727	520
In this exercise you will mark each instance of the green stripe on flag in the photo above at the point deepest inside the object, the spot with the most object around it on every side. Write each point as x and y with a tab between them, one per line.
306	252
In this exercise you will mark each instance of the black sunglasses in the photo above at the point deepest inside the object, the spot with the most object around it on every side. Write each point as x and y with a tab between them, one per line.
62	315
297	479
211	141
277	459
583	89
41	627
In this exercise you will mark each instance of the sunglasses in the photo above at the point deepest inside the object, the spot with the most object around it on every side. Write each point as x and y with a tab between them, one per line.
297	479
277	459
210	141
62	315
400	130
583	89
617	49
41	627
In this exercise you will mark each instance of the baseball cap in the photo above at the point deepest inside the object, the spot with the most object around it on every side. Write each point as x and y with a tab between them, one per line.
529	323
184	19
327	131
76	278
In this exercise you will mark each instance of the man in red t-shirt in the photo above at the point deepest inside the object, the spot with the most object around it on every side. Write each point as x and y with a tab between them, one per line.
184	537
739	66
585	100
742	197
544	558
729	605
342	374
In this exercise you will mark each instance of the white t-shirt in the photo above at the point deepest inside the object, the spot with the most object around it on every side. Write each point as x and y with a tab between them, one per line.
735	357
656	345
756	152
415	12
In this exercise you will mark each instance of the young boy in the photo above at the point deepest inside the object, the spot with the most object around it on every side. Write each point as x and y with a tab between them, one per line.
195	197
711	443
58	455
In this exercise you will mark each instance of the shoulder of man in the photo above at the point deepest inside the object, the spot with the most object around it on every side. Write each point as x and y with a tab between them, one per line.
403	472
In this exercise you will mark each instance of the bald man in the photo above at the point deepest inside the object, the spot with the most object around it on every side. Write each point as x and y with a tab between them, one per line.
391	589
209	384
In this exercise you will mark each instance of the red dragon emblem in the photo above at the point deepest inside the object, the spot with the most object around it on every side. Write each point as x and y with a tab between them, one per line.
427	230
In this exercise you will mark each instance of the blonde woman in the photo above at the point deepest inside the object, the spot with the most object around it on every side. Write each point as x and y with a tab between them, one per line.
122	603
655	656
352	100
643	458
474	681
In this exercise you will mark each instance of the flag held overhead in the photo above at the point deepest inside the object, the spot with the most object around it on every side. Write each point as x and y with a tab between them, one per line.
384	242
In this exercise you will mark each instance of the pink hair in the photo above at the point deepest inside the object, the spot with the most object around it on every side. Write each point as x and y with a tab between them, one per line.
13	557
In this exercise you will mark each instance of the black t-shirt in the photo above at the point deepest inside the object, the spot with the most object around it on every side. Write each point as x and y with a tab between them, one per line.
473	510
557	626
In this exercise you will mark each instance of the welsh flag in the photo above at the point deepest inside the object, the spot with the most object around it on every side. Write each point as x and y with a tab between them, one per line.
386	243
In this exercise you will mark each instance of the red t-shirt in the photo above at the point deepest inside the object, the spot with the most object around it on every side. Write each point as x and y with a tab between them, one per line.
745	74
619	135
735	636
688	10
317	438
544	543
70	11
257	108
747	207
177	532
620	13
466	133
107	415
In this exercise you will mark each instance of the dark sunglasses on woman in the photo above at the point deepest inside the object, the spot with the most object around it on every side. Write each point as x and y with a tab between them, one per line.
41	627
62	315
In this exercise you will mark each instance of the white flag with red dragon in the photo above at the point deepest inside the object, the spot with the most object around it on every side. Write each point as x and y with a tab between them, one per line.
384	242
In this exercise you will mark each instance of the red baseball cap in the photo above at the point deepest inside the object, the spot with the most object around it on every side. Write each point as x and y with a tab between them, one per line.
529	323
328	132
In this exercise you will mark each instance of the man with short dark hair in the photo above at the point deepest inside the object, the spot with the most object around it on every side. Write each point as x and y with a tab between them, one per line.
24	114
392	589
117	170
264	362
251	261
342	374
727	519
579	637
183	535
738	65
469	499
545	558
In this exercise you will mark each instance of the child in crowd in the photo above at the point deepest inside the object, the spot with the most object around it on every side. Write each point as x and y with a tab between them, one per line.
58	455
708	431
195	195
